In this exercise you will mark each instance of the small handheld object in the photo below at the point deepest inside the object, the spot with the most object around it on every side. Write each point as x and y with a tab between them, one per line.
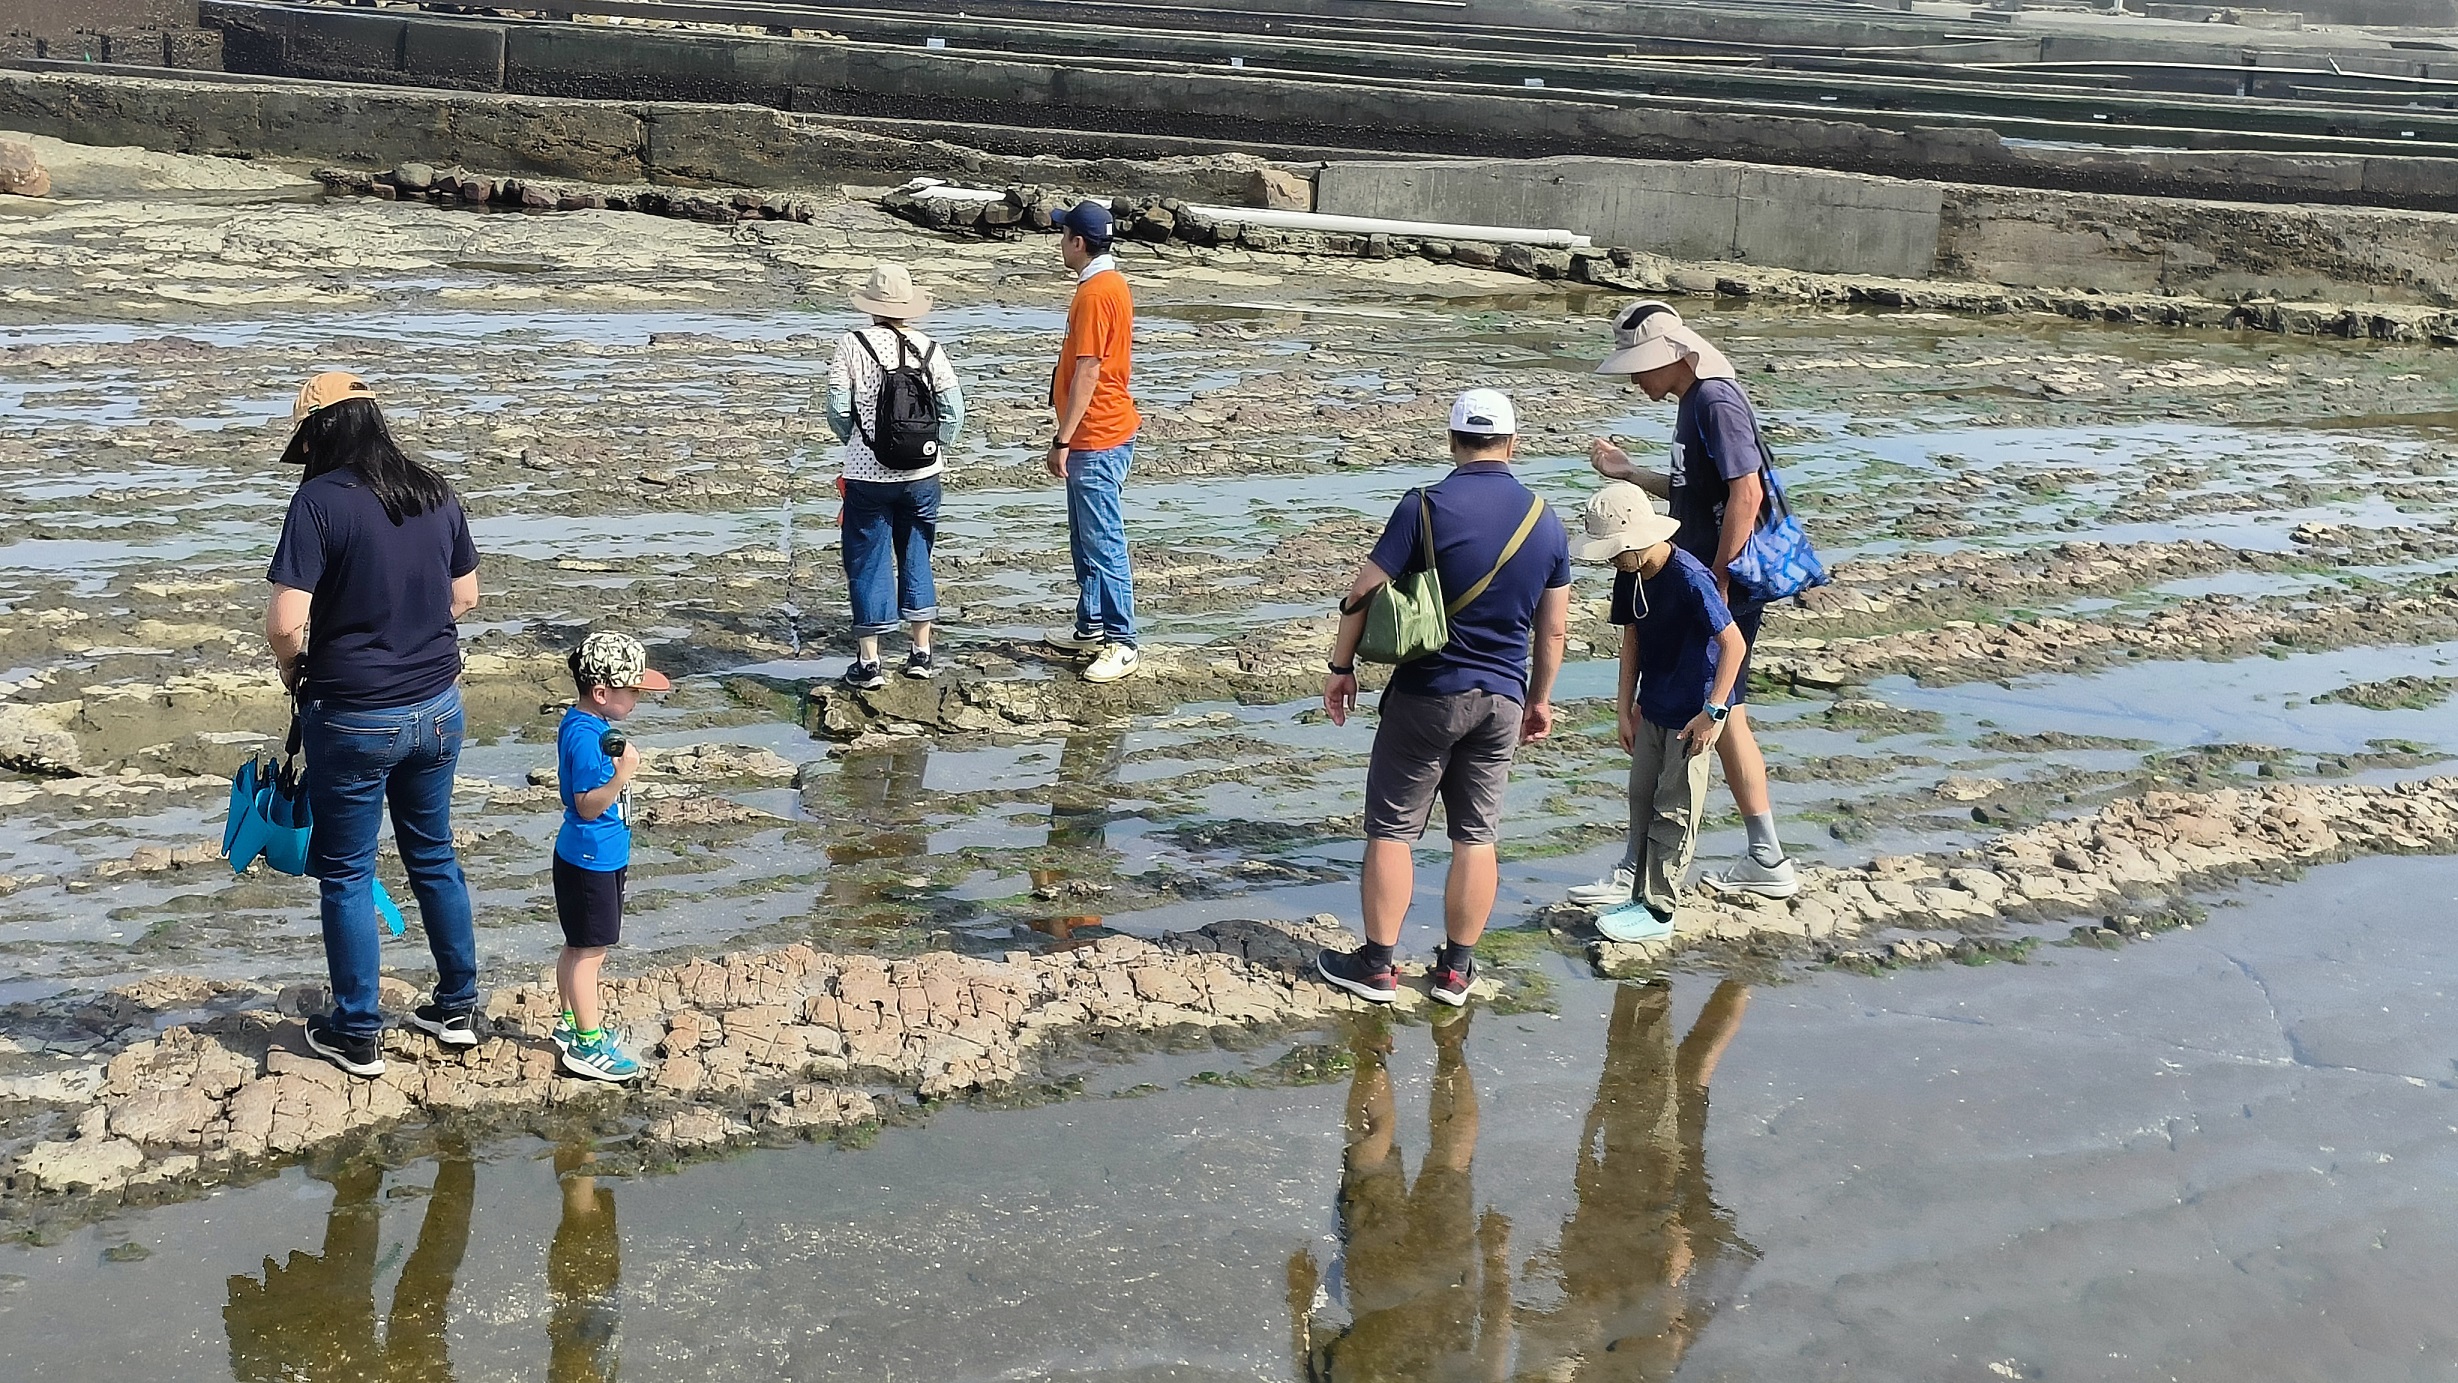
613	743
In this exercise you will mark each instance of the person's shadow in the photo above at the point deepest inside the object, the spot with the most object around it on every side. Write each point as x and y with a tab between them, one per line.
1427	1280
313	1317
1648	1257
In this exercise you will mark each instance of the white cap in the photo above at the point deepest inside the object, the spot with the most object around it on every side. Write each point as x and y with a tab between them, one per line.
1484	413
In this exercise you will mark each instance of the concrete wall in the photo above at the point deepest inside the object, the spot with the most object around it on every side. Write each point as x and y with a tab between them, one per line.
1798	219
1850	224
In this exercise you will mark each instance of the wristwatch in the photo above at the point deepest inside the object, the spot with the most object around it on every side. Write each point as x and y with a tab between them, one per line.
1060	444
1717	713
1339	671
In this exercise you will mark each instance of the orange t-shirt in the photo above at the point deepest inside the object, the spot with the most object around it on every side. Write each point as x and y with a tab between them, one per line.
1101	324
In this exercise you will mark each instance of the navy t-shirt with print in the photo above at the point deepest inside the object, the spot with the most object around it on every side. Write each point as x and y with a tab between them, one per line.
1715	442
380	627
1676	615
1476	510
602	842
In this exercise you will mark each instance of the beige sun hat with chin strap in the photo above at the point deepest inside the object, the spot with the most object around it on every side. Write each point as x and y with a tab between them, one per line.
1651	335
1621	518
891	292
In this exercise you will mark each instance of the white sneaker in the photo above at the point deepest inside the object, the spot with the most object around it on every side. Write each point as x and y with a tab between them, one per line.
1633	921
1612	890
1066	640
1747	875
1116	661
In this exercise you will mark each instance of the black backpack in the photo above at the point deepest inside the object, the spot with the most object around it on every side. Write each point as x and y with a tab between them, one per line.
904	430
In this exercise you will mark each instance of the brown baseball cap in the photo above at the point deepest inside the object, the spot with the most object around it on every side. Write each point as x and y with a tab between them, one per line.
325	390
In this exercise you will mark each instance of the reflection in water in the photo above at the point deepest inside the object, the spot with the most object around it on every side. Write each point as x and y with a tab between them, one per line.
1648	1256
1642	1265
879	818
1427	1280
314	1317
1078	846
582	1270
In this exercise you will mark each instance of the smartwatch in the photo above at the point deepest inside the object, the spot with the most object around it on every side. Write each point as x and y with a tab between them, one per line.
1717	713
1338	671
1060	444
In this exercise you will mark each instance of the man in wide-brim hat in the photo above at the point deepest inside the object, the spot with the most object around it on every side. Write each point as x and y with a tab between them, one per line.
1716	490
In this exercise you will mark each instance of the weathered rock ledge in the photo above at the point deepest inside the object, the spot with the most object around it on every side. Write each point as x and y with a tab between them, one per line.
778	1040
2126	850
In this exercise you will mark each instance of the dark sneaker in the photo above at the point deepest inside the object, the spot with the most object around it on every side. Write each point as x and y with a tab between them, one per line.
920	665
864	676
454	1027
1347	970
360	1056
1450	980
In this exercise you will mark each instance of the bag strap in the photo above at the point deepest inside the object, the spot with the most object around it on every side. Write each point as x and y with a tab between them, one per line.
1425	530
1536	510
1775	506
870	435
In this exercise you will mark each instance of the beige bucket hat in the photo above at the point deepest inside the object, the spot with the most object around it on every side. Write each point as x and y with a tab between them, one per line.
1621	518
891	292
1650	335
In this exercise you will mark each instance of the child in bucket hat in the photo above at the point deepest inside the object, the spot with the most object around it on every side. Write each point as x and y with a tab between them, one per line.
594	767
1680	654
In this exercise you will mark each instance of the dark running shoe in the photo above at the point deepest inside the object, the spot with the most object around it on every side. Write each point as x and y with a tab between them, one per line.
1347	970
1451	979
920	665
360	1056
454	1027
864	676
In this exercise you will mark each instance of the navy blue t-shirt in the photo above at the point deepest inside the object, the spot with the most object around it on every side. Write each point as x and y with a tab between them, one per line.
1715	442
380	627
1676	614
1476	510
582	765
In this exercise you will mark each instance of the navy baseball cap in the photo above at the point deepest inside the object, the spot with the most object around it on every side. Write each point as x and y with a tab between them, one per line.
1089	219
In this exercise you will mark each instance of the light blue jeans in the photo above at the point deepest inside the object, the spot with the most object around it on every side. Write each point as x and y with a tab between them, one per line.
356	761
889	529
1097	539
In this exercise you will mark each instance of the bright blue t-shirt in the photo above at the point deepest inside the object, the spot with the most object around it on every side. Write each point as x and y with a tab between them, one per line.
1676	615
1476	510
582	765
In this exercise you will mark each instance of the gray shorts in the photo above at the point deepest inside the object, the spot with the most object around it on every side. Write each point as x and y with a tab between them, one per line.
1459	746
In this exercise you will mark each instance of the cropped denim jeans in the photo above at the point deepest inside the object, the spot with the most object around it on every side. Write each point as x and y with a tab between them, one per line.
1097	539
890	527
357	761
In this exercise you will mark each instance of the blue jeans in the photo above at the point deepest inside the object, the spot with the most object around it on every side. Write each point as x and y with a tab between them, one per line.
889	528
1097	539
356	760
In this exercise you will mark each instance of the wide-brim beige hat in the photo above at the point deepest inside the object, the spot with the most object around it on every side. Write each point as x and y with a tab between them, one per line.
1651	335
1621	518
891	292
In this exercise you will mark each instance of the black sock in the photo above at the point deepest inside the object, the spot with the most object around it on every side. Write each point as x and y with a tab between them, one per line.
1457	954
1375	955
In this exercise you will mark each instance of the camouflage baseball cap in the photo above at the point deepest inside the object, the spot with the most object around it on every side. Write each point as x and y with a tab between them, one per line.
617	660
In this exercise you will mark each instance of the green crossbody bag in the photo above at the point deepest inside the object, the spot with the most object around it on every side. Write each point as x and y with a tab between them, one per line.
1406	617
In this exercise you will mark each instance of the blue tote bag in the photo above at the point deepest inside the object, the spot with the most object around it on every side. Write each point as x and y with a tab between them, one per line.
1777	562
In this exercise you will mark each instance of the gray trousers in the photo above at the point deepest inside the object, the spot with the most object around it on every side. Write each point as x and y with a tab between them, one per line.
1668	794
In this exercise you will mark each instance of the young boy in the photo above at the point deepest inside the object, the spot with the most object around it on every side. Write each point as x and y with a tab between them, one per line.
1680	653
594	767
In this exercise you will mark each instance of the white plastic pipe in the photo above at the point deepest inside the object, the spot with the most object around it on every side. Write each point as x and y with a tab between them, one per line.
931	189
1374	225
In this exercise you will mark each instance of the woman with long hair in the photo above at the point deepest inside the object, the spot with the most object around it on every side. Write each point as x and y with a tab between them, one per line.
373	572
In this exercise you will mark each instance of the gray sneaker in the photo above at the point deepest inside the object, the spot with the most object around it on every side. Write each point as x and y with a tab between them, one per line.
1747	875
1612	890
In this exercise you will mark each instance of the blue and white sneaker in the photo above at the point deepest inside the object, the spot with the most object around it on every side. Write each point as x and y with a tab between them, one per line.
599	1060
566	1037
1634	921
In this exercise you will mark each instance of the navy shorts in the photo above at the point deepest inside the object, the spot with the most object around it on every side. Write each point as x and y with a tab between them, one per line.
589	904
1745	619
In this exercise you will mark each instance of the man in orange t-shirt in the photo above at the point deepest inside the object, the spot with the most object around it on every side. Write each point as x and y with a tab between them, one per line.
1095	443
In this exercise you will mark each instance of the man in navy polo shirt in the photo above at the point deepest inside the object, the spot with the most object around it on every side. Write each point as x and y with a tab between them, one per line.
1715	489
1451	720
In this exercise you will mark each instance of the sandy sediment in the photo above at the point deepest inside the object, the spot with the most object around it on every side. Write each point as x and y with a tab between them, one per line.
2129	849
788	1040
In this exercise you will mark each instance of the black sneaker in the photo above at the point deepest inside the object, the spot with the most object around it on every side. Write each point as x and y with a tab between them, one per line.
864	676
1451	978
454	1027
1347	970
920	665
360	1056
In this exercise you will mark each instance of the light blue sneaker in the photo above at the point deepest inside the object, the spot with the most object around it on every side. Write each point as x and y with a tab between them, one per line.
599	1060
566	1037
1634	921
